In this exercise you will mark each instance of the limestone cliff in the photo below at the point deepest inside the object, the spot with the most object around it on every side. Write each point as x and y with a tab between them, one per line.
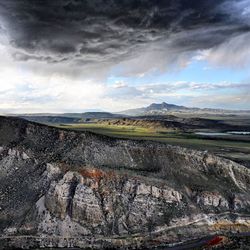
63	189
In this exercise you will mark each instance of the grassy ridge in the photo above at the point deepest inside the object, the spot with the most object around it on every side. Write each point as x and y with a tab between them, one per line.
233	149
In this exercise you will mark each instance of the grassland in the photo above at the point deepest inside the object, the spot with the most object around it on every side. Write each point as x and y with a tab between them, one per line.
235	149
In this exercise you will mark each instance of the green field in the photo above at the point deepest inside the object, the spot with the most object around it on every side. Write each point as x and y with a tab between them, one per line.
238	150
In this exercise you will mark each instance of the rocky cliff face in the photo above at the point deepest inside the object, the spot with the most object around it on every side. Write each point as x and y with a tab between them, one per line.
60	188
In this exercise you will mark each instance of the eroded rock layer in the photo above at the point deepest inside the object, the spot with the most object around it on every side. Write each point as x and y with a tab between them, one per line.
67	189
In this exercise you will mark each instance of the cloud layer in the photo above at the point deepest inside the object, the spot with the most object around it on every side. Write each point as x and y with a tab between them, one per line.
83	33
74	45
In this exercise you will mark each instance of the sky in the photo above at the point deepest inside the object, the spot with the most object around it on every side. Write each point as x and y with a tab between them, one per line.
113	55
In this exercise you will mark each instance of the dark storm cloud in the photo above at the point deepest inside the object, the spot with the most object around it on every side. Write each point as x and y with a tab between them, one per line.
90	31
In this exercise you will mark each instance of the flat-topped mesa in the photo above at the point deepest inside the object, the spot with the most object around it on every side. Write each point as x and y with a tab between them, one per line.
62	183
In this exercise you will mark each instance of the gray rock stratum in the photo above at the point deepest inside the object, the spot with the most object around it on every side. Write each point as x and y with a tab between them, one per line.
63	188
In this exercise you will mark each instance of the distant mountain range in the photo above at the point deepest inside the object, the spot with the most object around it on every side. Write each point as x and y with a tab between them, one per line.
166	108
67	117
154	109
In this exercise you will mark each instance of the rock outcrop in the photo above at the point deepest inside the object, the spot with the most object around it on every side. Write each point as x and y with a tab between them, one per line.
68	189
